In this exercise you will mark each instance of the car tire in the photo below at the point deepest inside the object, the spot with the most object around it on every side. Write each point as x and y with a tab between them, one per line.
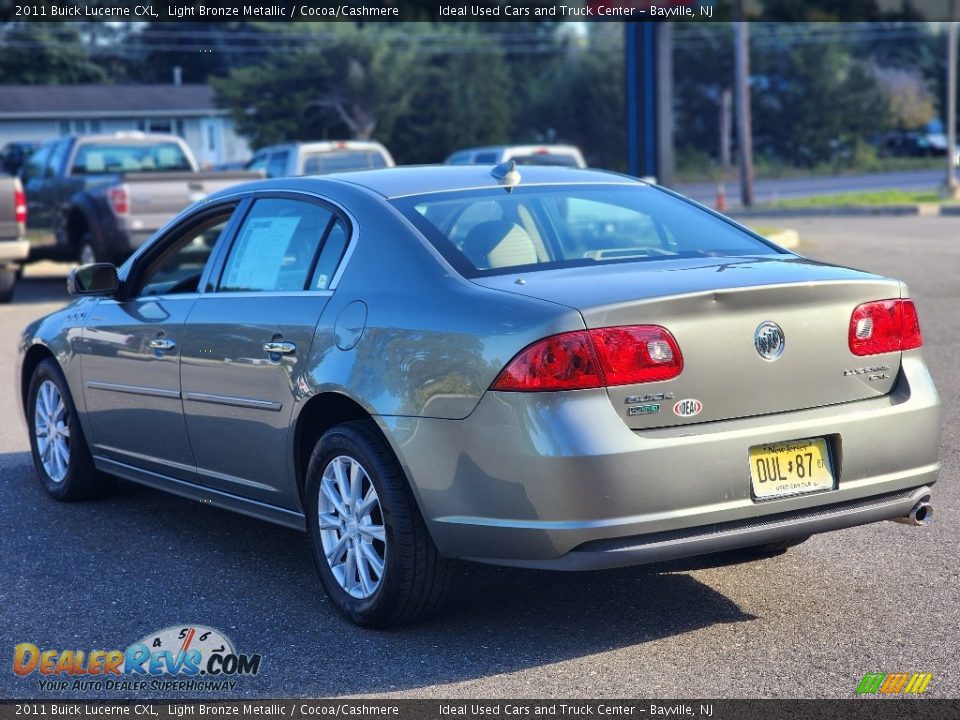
359	504
90	250
8	281
65	468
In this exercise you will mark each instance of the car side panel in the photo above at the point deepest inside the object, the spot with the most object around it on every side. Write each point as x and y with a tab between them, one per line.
432	342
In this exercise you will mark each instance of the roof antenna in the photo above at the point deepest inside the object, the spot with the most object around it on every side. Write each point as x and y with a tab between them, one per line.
507	174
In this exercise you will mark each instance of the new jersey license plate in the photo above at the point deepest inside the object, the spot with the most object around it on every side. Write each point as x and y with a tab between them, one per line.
790	468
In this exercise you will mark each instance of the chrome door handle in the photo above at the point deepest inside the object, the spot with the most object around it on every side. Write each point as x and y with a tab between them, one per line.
279	347
162	344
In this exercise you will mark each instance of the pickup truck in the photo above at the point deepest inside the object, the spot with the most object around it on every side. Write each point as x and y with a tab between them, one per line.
13	246
320	158
97	198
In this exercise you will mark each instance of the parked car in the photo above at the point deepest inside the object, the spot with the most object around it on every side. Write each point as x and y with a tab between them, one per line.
908	143
15	154
541	367
14	248
99	197
320	158
567	155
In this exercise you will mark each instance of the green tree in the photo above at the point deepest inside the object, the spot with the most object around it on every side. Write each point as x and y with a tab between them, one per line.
582	101
702	70
46	54
460	100
347	86
812	100
199	49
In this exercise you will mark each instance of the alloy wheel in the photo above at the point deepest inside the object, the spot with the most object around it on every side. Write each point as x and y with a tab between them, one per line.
51	428
351	527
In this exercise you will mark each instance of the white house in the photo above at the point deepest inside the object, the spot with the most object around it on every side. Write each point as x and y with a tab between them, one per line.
42	112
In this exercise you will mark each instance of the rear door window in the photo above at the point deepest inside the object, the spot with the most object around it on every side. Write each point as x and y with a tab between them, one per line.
277	167
284	246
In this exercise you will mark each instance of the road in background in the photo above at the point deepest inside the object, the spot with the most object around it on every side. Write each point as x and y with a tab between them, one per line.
771	190
810	623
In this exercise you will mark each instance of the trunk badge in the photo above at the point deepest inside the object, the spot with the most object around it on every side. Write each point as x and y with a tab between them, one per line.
769	341
688	407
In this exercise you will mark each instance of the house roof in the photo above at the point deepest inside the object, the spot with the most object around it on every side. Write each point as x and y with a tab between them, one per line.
105	100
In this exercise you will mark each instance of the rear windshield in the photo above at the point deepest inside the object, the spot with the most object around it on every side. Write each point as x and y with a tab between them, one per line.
488	232
318	163
95	158
546	159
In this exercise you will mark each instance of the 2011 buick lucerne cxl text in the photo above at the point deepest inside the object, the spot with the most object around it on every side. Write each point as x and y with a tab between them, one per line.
531	366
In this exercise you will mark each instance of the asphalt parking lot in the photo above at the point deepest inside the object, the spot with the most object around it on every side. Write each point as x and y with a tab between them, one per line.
810	623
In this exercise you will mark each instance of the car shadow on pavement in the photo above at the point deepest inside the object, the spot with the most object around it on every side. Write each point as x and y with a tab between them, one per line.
139	560
46	288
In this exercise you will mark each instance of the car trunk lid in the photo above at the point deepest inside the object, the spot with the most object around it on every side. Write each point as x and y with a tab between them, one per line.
715	308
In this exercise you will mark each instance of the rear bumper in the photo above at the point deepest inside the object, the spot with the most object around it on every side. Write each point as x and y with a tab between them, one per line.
14	250
557	480
660	547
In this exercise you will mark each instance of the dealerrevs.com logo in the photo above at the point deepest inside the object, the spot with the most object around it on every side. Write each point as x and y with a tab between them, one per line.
181	657
901	683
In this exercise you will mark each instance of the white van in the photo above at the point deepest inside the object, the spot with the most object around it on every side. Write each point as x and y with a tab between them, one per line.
567	155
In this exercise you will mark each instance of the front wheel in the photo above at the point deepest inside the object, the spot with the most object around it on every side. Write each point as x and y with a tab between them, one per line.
59	449
372	549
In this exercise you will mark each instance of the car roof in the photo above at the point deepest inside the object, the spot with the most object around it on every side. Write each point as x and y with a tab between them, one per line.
404	181
423	179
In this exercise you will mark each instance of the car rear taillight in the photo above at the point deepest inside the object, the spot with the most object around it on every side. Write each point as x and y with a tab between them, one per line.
585	359
19	205
637	354
559	362
884	326
119	199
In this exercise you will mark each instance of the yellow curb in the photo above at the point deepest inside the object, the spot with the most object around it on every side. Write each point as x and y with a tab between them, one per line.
786	238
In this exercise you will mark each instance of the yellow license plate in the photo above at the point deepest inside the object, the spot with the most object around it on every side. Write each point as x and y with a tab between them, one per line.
790	468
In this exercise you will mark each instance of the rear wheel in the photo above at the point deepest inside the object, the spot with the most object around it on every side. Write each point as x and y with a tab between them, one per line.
8	280
375	557
60	451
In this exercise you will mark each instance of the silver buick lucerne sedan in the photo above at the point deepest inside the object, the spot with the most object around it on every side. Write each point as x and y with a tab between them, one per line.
531	366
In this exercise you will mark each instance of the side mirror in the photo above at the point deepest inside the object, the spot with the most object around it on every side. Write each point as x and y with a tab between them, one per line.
96	279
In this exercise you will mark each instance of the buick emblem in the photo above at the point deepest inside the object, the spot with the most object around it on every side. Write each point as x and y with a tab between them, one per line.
769	341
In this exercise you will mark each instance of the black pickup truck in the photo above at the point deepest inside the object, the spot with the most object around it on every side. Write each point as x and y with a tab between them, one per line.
13	246
95	198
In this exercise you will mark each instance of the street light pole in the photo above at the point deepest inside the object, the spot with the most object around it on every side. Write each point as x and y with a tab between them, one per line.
741	61
952	189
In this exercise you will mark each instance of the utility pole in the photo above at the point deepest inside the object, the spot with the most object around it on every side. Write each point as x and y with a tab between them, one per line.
952	189
726	128
741	61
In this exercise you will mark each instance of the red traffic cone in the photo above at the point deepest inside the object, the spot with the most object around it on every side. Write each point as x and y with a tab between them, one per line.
721	204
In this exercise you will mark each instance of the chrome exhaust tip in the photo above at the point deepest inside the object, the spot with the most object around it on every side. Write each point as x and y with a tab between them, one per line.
921	514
